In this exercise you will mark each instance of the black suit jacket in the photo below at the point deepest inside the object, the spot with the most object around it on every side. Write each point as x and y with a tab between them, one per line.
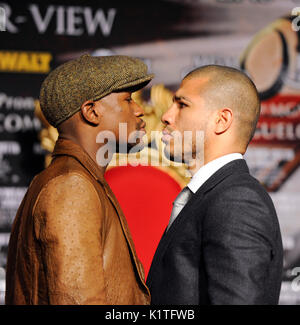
223	248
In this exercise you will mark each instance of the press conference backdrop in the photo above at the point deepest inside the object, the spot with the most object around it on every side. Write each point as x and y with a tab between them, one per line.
172	37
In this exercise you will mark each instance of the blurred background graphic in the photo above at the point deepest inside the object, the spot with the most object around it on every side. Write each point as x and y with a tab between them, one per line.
260	37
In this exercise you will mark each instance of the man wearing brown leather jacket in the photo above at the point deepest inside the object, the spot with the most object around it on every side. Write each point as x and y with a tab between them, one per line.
70	242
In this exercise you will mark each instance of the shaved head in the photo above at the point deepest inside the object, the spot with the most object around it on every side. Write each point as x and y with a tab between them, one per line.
225	87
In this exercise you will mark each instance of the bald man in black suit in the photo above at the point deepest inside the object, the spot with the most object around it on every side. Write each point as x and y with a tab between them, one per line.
223	243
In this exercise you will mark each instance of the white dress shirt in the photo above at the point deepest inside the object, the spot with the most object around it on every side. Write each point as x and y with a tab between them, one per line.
206	171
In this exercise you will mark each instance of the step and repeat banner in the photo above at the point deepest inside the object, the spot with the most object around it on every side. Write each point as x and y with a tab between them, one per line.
260	37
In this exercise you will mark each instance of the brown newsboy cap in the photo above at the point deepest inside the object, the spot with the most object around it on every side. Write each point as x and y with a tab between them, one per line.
68	86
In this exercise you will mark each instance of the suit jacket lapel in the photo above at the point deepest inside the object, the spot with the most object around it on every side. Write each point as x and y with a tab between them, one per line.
236	166
167	237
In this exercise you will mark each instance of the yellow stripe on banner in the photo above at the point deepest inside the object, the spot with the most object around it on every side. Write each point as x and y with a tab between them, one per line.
25	62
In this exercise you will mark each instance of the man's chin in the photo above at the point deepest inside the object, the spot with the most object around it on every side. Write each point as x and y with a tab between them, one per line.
171	156
137	148
130	148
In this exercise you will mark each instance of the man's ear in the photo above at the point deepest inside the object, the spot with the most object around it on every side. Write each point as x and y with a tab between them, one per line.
90	113
223	120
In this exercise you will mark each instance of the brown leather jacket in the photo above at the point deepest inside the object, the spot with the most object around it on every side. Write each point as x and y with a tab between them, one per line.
70	242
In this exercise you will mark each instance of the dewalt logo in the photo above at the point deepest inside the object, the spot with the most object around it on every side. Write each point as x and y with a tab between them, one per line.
25	62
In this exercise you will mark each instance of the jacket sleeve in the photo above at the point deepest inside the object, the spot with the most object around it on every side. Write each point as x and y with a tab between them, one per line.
237	246
68	219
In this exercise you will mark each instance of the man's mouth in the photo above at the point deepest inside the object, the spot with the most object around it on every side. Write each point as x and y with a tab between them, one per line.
166	137
142	127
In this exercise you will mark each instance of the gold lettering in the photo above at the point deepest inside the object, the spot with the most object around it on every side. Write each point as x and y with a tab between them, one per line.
23	63
26	62
35	65
45	60
8	60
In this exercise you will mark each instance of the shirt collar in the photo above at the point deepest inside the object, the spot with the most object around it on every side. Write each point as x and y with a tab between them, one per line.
206	171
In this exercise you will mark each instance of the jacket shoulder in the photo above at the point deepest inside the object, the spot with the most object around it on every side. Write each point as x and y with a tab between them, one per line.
243	187
63	165
72	185
241	202
59	167
65	198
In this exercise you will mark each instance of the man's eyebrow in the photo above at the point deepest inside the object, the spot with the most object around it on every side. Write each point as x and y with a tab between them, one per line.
178	98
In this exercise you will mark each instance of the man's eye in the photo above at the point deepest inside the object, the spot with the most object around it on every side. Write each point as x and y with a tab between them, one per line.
129	99
181	105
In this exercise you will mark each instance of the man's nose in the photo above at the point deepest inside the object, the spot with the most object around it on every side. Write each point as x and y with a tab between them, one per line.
139	111
168	117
